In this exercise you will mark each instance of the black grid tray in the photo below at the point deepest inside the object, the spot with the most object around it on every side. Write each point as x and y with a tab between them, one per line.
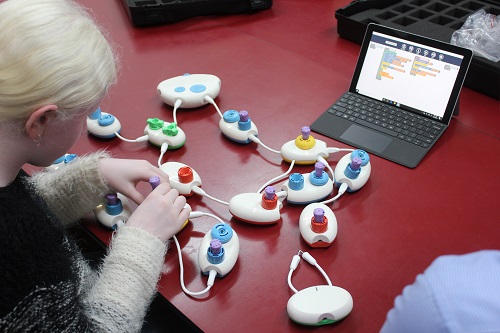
436	19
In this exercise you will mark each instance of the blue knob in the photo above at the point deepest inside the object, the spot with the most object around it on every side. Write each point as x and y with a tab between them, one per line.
59	160
354	168
231	116
361	154
318	177
113	205
222	232
296	181
96	114
215	252
245	123
69	158
106	120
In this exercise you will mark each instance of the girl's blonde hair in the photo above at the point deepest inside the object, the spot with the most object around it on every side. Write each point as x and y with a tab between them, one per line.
51	52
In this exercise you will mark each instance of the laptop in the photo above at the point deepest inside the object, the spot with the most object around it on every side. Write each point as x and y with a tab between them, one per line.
402	95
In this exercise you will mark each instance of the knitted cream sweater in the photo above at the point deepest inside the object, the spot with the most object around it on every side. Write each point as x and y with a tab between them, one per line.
46	285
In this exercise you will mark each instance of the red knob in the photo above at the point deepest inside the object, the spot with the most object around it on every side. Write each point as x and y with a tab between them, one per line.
185	174
319	227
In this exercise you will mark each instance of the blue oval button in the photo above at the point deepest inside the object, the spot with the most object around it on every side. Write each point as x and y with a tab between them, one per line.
179	89
198	88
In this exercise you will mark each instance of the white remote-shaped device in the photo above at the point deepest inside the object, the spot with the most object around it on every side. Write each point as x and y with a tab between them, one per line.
103	125
190	89
181	177
319	305
219	250
305	149
318	225
256	208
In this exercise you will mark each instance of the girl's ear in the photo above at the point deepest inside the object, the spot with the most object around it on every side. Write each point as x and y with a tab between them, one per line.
37	122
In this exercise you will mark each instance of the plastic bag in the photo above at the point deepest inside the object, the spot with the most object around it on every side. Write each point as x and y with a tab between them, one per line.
481	34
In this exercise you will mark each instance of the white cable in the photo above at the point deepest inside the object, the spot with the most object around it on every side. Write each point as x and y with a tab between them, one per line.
177	104
342	189
257	140
139	139
293	266
309	258
163	149
196	214
211	277
325	162
277	178
199	191
281	195
332	150
211	101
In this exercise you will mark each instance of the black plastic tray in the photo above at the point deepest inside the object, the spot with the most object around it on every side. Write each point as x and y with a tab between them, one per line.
436	19
145	13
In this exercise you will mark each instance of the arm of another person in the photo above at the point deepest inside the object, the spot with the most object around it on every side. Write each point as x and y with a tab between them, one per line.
456	293
415	310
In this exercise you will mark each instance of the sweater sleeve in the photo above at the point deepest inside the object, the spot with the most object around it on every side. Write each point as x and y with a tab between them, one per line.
127	280
73	191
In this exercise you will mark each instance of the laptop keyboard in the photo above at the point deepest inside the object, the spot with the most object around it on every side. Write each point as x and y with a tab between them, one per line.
387	119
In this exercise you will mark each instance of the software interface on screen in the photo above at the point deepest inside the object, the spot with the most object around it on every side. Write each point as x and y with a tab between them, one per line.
409	75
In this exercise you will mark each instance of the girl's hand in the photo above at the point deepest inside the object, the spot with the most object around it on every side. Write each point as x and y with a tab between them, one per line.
123	175
162	213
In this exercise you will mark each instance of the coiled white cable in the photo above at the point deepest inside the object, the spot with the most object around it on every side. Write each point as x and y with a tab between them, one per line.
211	275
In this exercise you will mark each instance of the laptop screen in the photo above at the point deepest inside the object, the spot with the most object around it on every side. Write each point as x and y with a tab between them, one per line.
411	72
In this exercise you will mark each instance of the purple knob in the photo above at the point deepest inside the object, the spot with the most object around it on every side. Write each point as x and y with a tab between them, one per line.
243	116
154	181
215	246
269	192
319	215
356	163
112	199
305	132
319	167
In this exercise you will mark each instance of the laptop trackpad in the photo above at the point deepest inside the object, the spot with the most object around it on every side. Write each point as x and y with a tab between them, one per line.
366	138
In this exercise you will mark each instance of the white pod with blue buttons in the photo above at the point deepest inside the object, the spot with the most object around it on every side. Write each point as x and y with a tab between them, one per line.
189	90
219	250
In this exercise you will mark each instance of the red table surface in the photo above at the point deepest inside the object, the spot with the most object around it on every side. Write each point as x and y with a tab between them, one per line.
285	66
